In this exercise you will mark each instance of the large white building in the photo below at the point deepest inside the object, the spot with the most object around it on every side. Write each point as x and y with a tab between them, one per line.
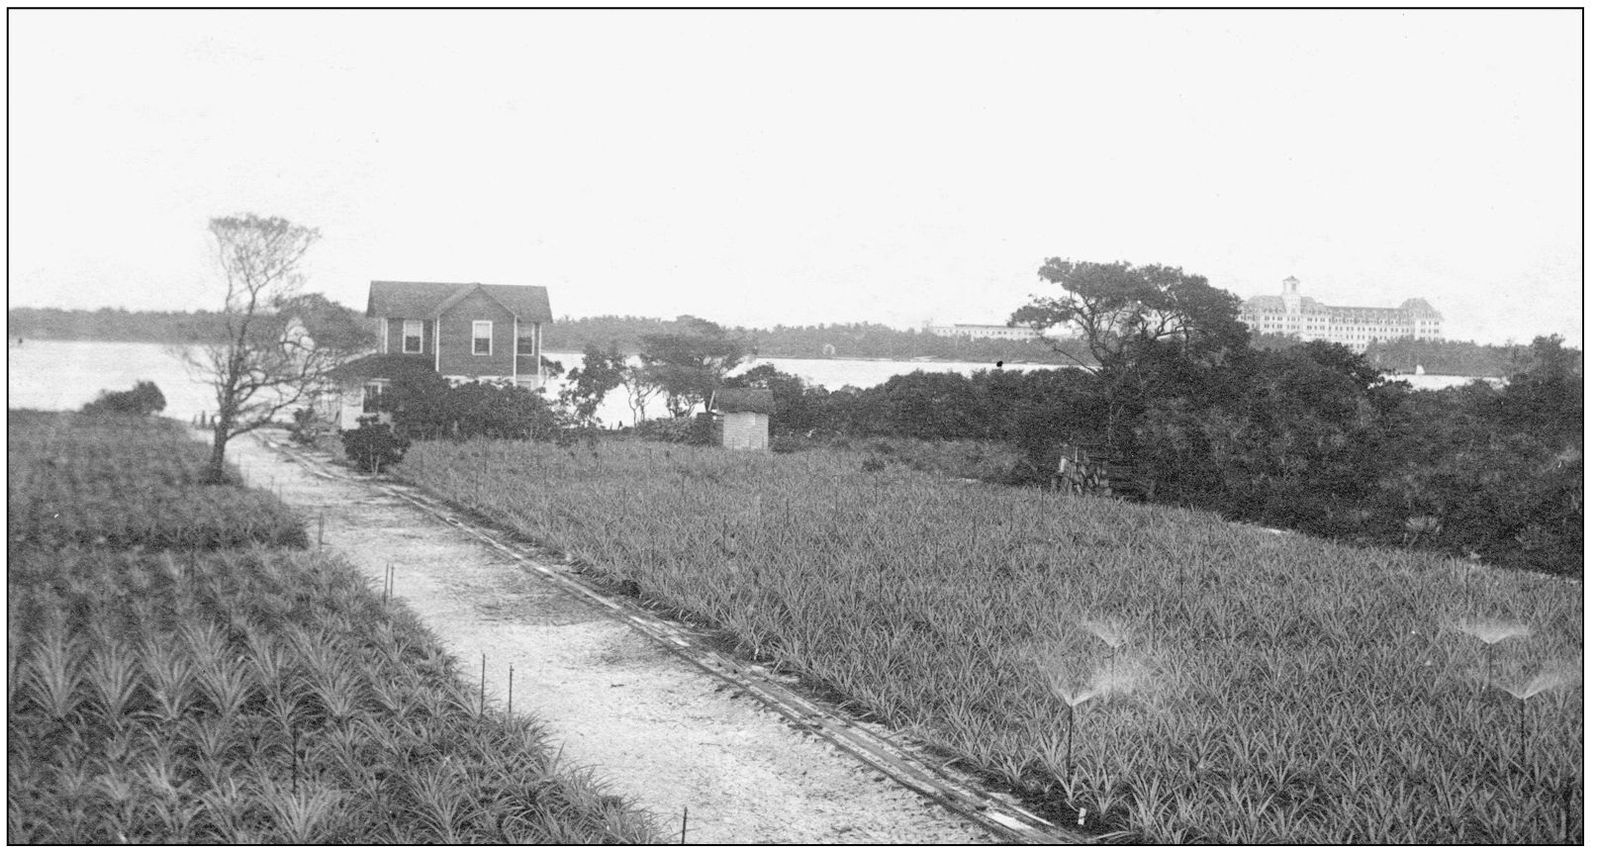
1307	319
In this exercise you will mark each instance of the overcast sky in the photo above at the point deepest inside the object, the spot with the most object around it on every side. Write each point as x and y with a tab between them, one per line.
758	168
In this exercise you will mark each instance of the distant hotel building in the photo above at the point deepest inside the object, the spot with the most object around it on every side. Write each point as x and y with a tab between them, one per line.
1307	319
989	332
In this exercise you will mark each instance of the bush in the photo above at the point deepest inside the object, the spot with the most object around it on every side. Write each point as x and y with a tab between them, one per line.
307	428
144	400
427	406
672	430
374	446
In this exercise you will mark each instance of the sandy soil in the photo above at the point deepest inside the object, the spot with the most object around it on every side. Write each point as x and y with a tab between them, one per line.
660	731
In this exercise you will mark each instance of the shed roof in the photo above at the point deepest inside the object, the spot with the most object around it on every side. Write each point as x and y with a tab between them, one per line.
381	367
737	400
416	299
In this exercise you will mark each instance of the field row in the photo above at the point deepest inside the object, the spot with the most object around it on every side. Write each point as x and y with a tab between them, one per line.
1178	677
122	482
245	695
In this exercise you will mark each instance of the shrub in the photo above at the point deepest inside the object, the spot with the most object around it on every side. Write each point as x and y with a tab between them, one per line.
425	405
373	446
144	400
704	430
672	430
307	428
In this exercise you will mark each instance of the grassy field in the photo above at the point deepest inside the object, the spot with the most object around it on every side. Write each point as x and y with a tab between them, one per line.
1164	675
240	695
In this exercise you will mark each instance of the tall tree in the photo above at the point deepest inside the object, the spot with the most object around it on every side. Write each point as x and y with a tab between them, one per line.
1148	329
261	357
639	390
602	371
1120	310
689	363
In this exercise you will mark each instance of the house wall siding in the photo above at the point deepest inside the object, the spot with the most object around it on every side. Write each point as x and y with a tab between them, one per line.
396	340
455	330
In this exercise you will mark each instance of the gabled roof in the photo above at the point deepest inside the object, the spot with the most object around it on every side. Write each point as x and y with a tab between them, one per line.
418	299
735	400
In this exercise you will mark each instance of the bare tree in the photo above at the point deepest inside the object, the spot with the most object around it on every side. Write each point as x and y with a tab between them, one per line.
261	359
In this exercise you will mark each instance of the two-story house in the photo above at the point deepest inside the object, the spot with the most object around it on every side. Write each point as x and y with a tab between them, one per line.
463	332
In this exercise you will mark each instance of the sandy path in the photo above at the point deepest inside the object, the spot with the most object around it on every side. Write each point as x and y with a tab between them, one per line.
657	729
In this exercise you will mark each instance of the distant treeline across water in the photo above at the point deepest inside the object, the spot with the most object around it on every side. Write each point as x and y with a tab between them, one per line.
839	340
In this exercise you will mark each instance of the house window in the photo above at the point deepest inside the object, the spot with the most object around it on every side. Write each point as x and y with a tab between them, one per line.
413	337
524	341
482	337
371	394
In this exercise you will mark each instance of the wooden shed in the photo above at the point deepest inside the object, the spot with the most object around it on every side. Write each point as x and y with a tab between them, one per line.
745	415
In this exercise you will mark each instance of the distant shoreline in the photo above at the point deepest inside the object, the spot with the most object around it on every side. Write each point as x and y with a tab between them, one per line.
14	338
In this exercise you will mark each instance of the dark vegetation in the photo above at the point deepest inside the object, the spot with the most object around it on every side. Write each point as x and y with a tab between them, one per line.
374	446
143	400
162	690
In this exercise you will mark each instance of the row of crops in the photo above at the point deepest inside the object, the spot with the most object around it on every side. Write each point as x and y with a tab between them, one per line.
1158	673
160	694
126	482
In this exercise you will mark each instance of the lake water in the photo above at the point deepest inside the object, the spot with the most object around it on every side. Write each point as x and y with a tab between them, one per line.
63	375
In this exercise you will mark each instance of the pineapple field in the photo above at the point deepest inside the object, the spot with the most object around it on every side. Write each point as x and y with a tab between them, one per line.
1150	673
180	669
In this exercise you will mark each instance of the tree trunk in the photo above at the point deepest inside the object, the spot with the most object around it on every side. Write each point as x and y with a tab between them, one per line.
215	472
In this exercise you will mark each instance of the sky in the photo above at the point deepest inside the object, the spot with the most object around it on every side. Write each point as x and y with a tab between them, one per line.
798	167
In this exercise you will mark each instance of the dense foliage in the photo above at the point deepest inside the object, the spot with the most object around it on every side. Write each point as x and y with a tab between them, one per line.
426	406
1444	357
372	446
1310	437
1177	678
689	362
143	400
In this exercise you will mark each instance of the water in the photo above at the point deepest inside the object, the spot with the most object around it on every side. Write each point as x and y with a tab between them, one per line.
62	375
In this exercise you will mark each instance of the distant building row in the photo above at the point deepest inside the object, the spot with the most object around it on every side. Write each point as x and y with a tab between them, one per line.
1307	319
989	332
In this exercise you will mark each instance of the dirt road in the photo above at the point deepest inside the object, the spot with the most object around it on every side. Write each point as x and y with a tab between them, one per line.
661	731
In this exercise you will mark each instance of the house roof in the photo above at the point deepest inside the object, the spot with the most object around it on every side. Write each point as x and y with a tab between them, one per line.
381	367
736	400
1410	308
417	299
1420	308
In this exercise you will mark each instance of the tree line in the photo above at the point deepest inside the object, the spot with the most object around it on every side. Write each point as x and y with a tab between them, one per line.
1310	436
838	340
